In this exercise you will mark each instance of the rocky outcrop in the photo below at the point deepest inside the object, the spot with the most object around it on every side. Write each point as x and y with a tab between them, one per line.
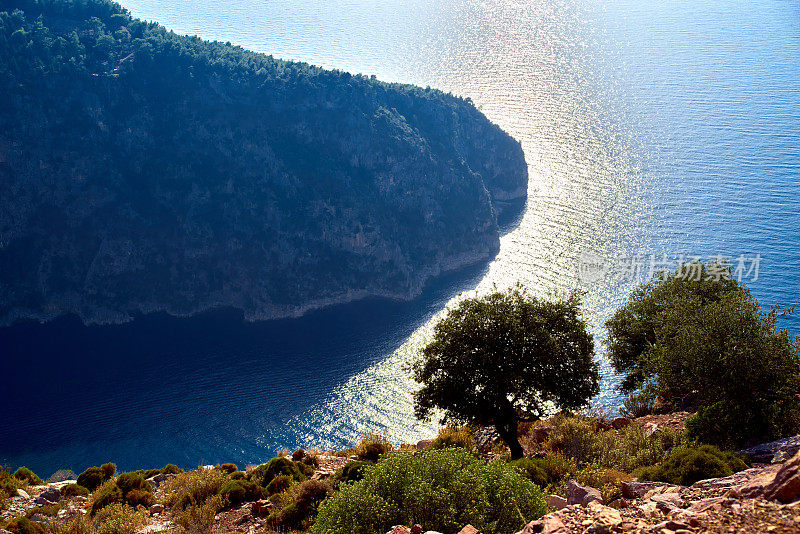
774	451
582	495
236	180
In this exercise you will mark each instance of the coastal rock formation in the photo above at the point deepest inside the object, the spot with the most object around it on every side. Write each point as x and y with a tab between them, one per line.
143	171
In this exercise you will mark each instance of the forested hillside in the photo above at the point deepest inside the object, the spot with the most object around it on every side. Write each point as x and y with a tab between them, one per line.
141	170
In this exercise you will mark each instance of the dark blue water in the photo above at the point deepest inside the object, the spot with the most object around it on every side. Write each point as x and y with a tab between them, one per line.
202	390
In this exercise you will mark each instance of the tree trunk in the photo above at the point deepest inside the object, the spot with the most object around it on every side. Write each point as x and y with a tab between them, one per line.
508	432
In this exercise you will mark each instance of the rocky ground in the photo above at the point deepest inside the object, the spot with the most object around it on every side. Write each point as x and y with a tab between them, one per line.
763	499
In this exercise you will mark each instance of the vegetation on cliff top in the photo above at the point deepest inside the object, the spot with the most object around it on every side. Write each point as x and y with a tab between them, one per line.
507	357
141	170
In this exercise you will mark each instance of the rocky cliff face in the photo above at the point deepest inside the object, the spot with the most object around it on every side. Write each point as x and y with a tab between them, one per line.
143	171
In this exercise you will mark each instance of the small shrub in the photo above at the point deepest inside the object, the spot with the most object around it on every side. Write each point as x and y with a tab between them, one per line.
228	468
23	525
109	469
8	485
171	469
574	437
132	481
305	501
264	473
532	470
117	518
298	455
199	518
638	404
74	490
604	479
351	472
27	476
441	489
238	475
48	510
140	497
193	488
148	473
687	465
279	483
453	437
93	477
373	445
306	469
236	492
108	493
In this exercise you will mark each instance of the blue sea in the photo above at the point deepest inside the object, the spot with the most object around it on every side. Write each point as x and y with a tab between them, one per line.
653	131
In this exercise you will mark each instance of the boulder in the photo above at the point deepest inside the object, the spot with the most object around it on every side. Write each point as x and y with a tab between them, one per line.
399	529
674	526
636	490
667	502
734	480
583	495
555	501
783	486
22	493
774	451
52	494
156	509
469	529
604	518
549	524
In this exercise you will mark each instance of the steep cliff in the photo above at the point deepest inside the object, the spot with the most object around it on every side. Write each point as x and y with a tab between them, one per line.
141	171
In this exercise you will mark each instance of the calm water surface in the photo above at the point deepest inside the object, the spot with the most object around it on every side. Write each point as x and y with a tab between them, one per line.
651	129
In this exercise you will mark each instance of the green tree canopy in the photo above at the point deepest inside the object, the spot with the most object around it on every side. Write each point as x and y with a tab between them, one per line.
506	357
699	337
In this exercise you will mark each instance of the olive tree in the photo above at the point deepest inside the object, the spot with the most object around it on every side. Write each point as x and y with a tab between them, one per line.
697	338
505	358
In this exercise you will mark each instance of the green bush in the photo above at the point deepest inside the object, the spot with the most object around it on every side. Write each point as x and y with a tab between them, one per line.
109	469
638	404
140	497
8	485
351	472
24	474
119	518
264	473
193	488
171	469
704	341
106	494
74	490
373	445
687	465
236	492
238	475
132	481
23	525
533	471
93	477
279	483
441	489
306	498
605	479
453	437
228	468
